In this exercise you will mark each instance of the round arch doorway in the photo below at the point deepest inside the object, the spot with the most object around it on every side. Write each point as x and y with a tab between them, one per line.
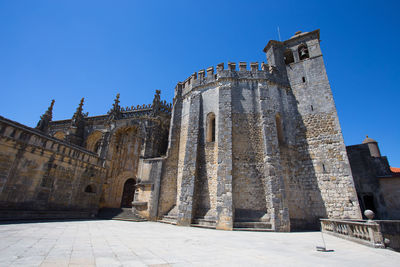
128	193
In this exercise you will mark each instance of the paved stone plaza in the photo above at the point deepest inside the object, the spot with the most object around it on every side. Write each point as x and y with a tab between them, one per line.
121	243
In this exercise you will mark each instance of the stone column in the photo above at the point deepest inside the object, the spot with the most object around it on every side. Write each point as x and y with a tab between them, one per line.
224	171
273	174
189	166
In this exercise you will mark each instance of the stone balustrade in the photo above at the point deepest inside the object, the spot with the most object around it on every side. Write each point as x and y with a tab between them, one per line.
360	231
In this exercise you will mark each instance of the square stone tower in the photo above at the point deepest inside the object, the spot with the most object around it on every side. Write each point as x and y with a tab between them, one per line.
323	175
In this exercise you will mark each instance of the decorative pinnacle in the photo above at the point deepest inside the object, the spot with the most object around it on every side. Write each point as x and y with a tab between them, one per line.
52	104
116	103
78	113
46	118
80	107
81	103
157	96
49	111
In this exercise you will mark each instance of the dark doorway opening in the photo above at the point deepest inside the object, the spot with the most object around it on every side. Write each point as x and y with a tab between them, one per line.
128	193
369	203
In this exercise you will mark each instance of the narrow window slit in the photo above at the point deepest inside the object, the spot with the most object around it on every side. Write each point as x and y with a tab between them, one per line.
210	127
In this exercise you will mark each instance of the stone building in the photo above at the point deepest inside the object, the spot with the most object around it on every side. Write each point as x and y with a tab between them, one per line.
71	168
247	147
258	147
377	184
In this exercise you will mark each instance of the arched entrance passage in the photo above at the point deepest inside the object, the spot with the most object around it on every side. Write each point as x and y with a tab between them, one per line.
128	193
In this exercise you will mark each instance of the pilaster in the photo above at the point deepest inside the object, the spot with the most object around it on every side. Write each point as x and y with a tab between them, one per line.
189	166
273	174
224	171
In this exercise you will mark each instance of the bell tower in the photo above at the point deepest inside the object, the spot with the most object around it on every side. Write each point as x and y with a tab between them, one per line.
318	139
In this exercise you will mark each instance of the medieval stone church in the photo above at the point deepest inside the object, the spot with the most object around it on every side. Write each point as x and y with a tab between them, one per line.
247	146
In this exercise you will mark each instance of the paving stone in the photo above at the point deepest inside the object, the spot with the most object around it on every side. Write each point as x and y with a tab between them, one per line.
147	243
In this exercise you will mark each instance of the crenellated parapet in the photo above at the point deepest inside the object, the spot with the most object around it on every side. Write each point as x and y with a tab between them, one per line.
242	70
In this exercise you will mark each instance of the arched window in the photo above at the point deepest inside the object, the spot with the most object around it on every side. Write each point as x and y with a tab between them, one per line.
90	189
288	56
303	52
279	129
210	136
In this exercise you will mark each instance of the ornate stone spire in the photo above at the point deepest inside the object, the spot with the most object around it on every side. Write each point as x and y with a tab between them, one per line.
46	118
116	106
156	102
115	112
78	115
76	130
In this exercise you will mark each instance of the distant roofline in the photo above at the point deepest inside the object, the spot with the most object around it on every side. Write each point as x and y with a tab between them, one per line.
279	43
395	170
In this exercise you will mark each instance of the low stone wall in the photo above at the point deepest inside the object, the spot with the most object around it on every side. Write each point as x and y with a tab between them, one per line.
363	232
390	230
375	233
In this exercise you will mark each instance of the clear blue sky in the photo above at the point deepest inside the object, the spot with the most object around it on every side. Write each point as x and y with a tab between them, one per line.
71	49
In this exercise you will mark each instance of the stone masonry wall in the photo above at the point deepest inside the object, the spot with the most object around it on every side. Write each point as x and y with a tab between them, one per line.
247	155
45	174
225	211
185	205
206	181
168	183
205	199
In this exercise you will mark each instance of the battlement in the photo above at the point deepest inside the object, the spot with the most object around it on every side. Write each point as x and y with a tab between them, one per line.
253	70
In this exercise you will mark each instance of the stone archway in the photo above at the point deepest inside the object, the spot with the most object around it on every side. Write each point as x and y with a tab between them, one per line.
128	193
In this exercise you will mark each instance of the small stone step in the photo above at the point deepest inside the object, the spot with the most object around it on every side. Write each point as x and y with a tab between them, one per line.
128	219
253	229
201	222
123	214
170	217
249	225
202	226
169	221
